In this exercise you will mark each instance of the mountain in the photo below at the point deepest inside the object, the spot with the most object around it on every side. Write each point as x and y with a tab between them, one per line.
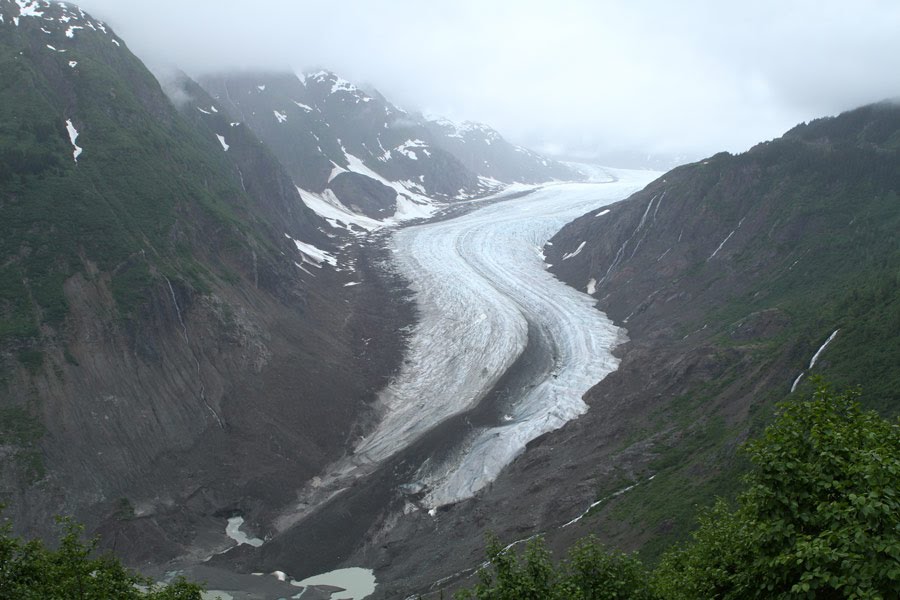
179	333
353	153
483	150
731	276
740	278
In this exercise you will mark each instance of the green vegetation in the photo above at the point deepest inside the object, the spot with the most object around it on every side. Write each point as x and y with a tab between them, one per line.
818	517
73	571
144	198
20	432
590	572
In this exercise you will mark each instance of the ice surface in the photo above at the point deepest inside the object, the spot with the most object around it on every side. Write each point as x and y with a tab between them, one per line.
472	331
73	135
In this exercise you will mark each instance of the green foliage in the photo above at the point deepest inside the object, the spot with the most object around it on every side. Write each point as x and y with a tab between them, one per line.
19	428
590	573
144	197
21	432
32	359
30	571
820	516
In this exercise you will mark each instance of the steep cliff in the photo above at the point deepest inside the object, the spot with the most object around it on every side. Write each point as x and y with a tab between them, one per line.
176	340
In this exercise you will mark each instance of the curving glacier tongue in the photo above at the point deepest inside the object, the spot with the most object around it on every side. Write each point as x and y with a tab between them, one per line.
486	301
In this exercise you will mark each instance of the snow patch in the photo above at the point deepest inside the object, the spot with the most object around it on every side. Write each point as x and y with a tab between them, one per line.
602	212
28	9
409	204
261	88
305	107
327	206
280	116
576	253
221	138
818	353
313	255
70	32
720	246
73	135
73	63
408	148
490	182
114	41
591	288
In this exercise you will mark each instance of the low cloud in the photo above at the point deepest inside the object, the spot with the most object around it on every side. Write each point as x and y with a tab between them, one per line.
576	76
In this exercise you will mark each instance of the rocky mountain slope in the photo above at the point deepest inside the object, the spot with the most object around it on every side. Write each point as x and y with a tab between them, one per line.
353	153
176	334
731	275
739	278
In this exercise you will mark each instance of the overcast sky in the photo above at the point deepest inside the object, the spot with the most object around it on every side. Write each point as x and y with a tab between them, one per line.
570	76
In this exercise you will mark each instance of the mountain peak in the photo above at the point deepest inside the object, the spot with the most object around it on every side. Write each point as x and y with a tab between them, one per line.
59	20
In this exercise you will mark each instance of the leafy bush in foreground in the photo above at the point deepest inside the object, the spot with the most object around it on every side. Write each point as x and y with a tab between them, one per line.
30	571
819	518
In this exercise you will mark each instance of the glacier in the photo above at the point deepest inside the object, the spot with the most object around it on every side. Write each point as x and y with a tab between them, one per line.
483	294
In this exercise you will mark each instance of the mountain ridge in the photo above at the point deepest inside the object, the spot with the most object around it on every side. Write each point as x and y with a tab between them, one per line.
323	127
155	281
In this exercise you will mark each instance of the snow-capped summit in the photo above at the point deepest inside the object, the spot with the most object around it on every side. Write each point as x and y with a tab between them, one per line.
483	150
353	152
60	22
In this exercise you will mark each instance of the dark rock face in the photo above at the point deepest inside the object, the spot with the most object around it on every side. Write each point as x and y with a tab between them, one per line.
169	355
364	195
320	124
